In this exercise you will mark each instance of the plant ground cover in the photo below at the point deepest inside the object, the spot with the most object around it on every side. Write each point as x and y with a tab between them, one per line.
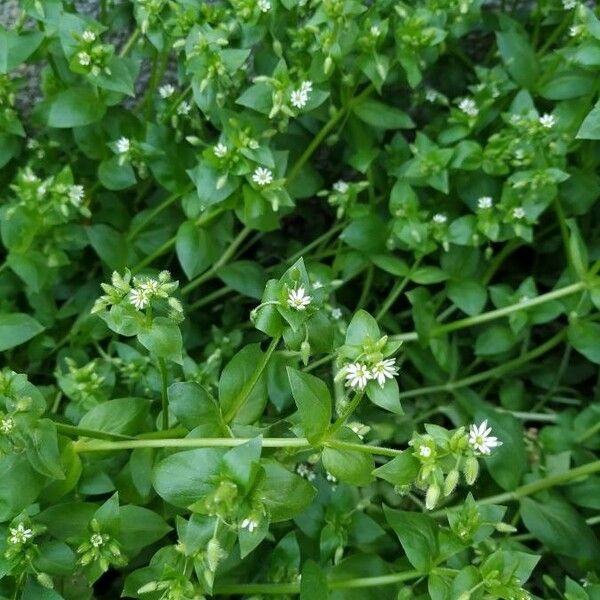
300	298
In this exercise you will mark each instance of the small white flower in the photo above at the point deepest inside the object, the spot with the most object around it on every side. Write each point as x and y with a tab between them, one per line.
76	194
375	31
383	370
184	108
306	87
548	121
150	287
139	298
518	213
166	91
264	5
97	540
336	314
7	424
480	439
262	176
468	106
357	376
249	524
123	145
298	99
439	218
84	59
424	451
317	285
330	477
431	95
304	471
575	30
88	36
359	429
220	150
485	202
341	187
298	299
19	534
569	4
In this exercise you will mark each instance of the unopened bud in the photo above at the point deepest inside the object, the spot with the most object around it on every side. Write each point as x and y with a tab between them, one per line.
327	65
305	352
45	580
432	496
451	482
214	554
471	470
505	528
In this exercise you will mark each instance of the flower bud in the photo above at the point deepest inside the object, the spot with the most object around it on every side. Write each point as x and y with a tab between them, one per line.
305	352
432	496
45	580
451	482
214	554
505	528
471	470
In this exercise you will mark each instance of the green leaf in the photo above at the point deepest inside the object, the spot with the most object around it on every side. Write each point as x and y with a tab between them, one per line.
42	449
193	249
496	339
418	534
363	327
585	338
285	494
366	234
140	527
518	56
401	470
234	381
16	329
163	339
314	403
590	128
16	48
313	584
116	176
196	409
382	116
470	296
349	466
387	397
21	485
75	107
560	527
183	478
123	415
244	276
110	245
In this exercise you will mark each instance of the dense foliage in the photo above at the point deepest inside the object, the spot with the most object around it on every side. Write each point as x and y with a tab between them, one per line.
300	297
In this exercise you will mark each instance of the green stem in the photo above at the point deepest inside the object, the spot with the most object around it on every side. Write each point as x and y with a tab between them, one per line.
223	260
499	312
162	367
133	38
251	383
324	132
164	248
152	215
395	292
543	484
294	587
352	406
494	372
366	448
73	431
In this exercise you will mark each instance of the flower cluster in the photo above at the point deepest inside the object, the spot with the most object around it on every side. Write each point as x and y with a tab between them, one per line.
139	293
442	455
359	374
91	56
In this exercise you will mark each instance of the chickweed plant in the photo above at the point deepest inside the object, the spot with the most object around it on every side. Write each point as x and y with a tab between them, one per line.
300	298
